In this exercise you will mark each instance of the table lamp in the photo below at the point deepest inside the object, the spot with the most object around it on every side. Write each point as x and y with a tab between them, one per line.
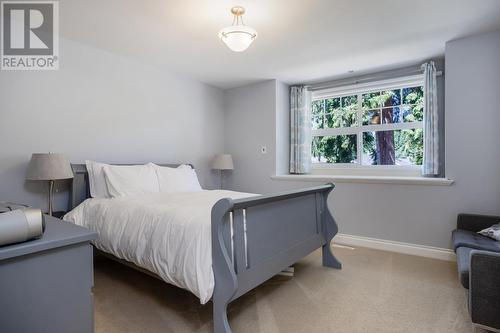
49	167
222	162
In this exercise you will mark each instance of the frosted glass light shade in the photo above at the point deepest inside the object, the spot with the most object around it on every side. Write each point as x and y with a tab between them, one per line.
238	37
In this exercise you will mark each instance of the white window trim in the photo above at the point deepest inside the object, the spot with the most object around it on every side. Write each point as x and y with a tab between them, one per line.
357	169
368	87
346	169
395	180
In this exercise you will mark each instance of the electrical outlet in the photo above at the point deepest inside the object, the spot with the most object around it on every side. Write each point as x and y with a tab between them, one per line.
263	150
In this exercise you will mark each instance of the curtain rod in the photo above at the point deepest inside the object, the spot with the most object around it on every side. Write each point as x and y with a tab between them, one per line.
363	79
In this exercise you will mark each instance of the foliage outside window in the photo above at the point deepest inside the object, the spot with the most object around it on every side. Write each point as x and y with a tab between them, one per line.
371	127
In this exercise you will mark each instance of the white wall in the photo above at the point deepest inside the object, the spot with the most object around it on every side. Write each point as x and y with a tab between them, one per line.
416	214
105	107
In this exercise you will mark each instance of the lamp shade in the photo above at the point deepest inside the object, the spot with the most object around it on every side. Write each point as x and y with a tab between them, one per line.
223	162
49	167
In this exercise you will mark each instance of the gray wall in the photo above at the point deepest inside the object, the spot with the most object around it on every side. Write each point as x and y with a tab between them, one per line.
249	125
105	107
108	108
415	214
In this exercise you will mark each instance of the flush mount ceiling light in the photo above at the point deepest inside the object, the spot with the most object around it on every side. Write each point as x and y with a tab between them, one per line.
238	36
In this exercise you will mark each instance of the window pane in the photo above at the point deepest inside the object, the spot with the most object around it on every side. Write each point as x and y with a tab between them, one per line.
369	154
409	146
350	117
391	115
332	105
341	119
413	95
371	117
317	122
316	150
390	97
350	109
317	108
413	113
333	120
334	149
371	100
350	101
345	116
399	147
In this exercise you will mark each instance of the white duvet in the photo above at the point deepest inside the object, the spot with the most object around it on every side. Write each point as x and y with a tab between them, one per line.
168	234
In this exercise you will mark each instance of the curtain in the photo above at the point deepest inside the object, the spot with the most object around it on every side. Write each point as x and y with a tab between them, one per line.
300	130
430	166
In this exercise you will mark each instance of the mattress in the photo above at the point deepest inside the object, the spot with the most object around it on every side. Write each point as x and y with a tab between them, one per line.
168	234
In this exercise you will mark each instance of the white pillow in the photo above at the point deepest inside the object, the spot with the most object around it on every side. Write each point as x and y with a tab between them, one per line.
97	180
182	166
131	180
180	179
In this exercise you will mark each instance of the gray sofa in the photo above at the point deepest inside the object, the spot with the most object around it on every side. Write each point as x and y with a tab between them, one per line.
478	261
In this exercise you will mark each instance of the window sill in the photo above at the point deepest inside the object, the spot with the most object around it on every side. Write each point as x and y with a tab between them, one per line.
367	179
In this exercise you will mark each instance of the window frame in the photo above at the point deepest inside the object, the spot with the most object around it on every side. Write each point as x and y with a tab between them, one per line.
359	89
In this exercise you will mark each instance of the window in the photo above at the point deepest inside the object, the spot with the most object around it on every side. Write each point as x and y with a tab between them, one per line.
369	125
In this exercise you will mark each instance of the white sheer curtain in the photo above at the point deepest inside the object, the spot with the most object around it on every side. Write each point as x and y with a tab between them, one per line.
430	166
300	130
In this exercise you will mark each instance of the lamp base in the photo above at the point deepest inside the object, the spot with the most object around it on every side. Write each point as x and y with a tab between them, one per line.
51	190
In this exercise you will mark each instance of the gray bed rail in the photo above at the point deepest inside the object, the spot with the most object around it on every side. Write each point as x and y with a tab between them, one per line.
255	238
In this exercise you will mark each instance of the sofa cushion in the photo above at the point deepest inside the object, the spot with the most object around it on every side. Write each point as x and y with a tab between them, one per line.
463	262
464	238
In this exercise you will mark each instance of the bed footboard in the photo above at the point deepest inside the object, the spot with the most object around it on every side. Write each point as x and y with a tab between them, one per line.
255	238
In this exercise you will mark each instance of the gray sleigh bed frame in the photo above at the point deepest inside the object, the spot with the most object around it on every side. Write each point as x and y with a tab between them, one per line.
253	238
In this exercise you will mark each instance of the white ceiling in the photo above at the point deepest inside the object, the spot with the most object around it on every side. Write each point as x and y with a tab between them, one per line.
299	40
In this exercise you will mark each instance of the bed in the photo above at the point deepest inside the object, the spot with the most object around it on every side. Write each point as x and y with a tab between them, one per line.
216	244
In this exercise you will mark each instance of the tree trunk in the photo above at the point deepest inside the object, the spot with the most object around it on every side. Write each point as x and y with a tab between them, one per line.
385	148
385	139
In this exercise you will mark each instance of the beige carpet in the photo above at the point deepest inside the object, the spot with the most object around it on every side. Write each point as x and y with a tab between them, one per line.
375	291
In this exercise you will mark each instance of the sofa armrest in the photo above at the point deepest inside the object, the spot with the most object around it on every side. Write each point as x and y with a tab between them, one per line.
475	223
484	288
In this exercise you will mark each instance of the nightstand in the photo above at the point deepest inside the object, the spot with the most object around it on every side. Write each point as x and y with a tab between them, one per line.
46	284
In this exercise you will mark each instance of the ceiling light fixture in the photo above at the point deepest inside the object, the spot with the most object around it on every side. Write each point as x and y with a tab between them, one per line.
238	36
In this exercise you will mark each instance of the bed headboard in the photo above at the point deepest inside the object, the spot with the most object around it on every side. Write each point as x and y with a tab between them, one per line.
80	189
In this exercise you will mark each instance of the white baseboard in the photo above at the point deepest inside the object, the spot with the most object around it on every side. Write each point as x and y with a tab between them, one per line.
398	247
